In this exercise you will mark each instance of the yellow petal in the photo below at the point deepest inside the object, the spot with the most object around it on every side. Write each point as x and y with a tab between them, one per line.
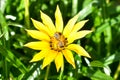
78	26
59	20
38	35
49	58
38	25
59	61
48	22
39	56
78	49
38	45
77	35
70	25
69	57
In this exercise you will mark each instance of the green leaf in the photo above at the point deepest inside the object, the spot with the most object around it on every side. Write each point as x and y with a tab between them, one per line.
87	10
112	58
4	26
98	75
97	63
31	71
112	22
13	59
106	61
3	4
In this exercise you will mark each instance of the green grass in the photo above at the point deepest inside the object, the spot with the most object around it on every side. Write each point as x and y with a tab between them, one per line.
103	44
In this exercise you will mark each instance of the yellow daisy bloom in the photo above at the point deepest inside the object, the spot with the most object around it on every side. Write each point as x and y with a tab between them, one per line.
56	41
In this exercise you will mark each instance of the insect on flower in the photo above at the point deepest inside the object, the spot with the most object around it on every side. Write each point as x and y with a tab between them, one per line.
56	41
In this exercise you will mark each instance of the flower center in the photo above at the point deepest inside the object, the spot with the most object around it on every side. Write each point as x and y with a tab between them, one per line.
58	42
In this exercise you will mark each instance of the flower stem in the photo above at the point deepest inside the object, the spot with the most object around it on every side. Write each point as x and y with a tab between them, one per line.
47	72
27	19
117	72
61	72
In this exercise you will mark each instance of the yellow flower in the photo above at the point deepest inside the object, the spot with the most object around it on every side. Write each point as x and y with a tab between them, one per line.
56	41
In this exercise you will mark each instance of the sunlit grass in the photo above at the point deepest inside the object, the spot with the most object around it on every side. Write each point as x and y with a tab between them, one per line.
103	44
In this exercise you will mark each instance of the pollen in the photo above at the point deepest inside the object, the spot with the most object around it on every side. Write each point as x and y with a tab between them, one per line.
58	42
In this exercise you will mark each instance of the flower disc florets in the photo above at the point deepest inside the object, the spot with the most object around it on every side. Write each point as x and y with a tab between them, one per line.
58	42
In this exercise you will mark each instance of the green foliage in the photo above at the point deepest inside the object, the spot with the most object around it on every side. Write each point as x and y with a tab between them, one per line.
103	44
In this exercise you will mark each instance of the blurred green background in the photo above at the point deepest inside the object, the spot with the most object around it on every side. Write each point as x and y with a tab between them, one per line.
103	44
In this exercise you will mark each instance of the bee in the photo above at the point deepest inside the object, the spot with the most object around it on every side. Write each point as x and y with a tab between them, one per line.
57	35
61	44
